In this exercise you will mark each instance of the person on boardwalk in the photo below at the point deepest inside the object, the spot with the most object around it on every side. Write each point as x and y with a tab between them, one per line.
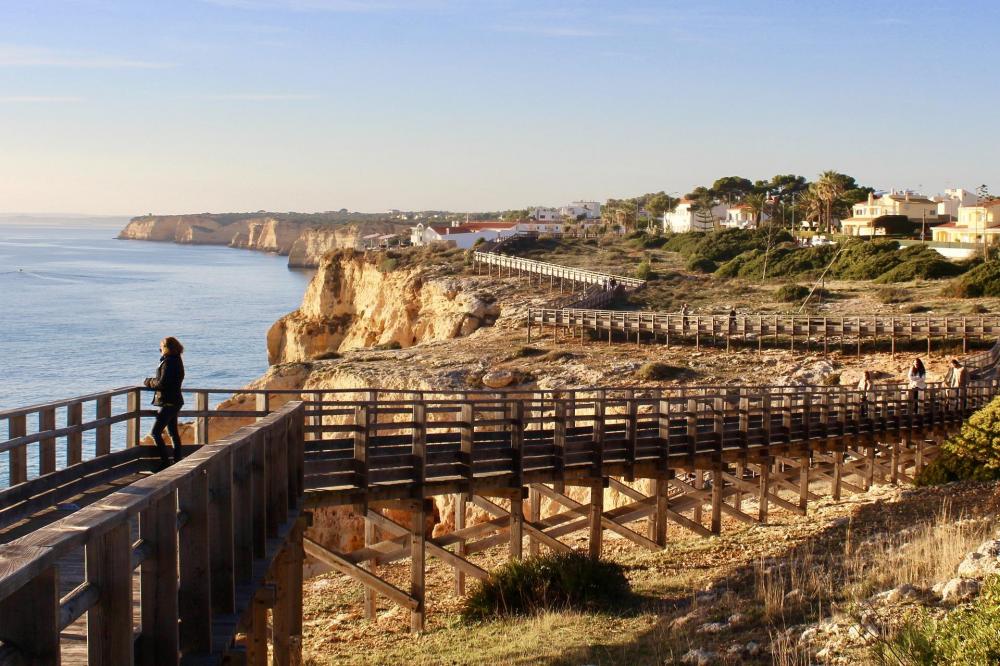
865	387
916	382
958	381
168	397
685	311
732	321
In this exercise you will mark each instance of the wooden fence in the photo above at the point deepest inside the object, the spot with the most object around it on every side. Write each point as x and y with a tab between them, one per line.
212	531
770	329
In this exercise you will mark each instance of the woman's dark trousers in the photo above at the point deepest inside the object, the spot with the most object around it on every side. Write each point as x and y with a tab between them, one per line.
167	418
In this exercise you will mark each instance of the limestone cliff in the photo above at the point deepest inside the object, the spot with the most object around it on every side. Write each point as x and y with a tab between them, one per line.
304	241
355	301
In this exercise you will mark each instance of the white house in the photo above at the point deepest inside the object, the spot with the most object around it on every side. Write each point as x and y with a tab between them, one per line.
582	210
462	236
684	218
953	199
741	216
546	215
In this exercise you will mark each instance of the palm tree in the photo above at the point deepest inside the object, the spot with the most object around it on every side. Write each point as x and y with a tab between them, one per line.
828	189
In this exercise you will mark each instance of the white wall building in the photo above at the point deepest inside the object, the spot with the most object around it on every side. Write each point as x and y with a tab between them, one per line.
953	199
684	218
585	210
741	216
462	236
546	214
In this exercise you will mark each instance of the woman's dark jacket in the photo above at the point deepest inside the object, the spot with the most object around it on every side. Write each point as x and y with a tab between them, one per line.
167	382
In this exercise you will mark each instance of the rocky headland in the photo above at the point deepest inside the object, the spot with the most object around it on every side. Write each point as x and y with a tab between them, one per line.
303	240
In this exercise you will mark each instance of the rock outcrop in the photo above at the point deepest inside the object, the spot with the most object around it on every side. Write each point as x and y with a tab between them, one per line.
353	301
304	241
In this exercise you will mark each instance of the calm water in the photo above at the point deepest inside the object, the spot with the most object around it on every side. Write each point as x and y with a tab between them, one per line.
81	311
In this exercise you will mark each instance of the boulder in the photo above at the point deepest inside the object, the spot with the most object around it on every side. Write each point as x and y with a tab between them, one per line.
960	589
985	561
699	657
496	379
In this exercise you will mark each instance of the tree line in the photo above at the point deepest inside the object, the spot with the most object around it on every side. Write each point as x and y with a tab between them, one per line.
783	198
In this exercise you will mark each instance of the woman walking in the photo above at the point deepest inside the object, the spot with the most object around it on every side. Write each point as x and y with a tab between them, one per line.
865	388
916	382
168	397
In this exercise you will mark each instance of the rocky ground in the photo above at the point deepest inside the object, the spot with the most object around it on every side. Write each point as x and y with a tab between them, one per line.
816	589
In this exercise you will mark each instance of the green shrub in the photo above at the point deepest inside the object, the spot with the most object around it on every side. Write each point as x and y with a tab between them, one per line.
557	355
701	264
394	344
644	271
791	293
983	280
974	453
387	264
554	581
965	635
656	371
920	261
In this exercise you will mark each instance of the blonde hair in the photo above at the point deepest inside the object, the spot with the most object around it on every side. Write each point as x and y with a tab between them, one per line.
173	345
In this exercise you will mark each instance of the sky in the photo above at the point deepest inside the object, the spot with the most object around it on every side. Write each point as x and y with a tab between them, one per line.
134	106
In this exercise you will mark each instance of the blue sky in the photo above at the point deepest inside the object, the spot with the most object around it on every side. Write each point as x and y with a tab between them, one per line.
135	106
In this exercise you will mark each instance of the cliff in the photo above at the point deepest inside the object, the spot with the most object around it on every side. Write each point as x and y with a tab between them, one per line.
303	240
356	300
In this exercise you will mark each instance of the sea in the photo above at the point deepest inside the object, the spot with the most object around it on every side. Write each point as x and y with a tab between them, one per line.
81	311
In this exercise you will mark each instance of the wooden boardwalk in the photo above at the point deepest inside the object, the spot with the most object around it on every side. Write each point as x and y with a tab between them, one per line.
104	561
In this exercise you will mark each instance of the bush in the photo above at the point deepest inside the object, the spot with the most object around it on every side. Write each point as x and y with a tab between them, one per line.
394	344
983	280
554	581
526	350
889	295
701	264
387	264
791	293
974	453
656	371
916	308
644	271
557	355
965	635
326	356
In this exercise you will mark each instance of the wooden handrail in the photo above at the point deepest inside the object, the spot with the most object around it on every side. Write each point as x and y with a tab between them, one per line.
195	487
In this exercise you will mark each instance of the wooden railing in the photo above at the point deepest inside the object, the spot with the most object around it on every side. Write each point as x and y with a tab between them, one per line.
210	530
574	276
763	329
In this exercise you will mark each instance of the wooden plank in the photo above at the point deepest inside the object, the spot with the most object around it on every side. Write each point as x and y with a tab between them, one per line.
103	434
221	530
74	440
195	588
417	567
348	568
158	643
109	621
18	456
46	446
29	617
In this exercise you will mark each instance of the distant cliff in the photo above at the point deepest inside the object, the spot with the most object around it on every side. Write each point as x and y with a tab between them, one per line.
303	239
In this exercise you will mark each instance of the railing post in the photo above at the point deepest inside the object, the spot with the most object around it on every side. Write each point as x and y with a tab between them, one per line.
220	525
17	456
47	446
109	621
277	477
134	428
362	425
74	440
201	422
598	434
194	593
103	433
258	485
158	644
29	618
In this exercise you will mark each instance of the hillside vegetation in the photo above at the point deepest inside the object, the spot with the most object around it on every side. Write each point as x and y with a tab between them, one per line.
731	253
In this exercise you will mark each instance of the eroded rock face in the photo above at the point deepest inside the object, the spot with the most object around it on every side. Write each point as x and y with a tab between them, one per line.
352	303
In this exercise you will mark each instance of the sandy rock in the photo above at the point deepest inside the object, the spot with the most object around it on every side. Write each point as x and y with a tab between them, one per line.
712	628
810	371
904	592
498	378
752	648
699	657
809	635
960	589
736	619
984	561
